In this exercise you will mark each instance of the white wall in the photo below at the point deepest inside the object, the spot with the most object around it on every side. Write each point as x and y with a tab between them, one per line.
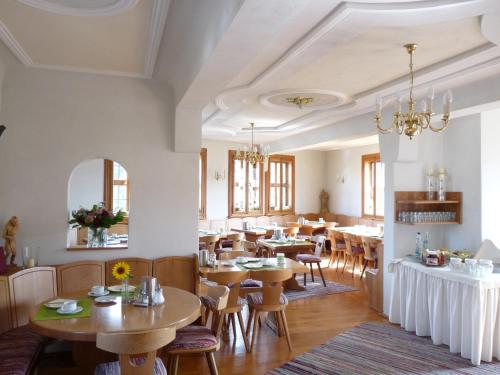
86	185
490	174
345	197
310	178
56	120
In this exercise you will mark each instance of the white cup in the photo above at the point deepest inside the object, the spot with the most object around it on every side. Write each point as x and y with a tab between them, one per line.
69	306
97	289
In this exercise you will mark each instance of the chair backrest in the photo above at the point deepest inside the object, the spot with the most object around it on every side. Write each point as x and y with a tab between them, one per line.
306	230
291	224
249	245
311	216
320	245
220	295
138	267
336	237
79	276
292	232
231	279
28	288
237	238
178	272
127	344
272	284
234	254
365	241
210	241
348	244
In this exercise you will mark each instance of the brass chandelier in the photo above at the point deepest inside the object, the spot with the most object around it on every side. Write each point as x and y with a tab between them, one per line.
412	122
255	154
300	101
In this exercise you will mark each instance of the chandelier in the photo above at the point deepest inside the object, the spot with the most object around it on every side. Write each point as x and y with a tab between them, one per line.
412	122
255	154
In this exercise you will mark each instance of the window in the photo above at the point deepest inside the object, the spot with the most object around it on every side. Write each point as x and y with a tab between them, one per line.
202	184
372	186
281	184
116	187
244	187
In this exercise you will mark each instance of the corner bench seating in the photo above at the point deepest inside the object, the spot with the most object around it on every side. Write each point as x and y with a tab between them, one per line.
19	350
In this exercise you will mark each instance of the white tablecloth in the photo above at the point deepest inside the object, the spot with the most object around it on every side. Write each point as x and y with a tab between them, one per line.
452	308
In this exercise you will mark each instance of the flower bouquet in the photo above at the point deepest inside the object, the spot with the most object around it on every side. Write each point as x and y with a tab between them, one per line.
98	220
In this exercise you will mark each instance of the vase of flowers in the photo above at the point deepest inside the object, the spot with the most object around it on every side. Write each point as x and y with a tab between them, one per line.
98	220
122	272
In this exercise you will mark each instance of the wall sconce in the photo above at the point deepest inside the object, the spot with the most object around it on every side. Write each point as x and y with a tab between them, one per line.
219	175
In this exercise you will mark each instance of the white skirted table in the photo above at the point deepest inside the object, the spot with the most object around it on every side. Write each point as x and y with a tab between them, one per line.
452	308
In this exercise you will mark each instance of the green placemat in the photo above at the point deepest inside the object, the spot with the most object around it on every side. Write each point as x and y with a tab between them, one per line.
44	313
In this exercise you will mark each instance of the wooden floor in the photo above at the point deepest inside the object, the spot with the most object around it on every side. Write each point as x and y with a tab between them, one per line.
311	321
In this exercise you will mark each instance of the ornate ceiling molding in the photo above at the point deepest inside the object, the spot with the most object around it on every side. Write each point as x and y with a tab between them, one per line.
73	8
156	27
327	98
349	19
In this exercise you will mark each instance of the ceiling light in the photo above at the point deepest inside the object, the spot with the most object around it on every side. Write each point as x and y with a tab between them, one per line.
256	154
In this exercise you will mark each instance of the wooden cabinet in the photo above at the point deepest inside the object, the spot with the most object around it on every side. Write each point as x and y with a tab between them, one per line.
21	290
427	212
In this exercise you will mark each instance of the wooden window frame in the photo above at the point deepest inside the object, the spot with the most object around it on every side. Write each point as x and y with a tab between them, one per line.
230	189
202	211
109	182
368	159
280	158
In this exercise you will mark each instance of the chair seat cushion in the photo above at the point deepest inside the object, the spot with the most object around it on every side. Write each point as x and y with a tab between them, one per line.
226	243
356	250
308	258
249	283
257	299
211	303
340	246
19	350
192	338
113	368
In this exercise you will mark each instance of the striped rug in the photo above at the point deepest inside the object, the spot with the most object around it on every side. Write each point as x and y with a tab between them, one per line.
374	348
317	289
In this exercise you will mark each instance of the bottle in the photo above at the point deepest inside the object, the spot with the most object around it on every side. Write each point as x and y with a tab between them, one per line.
425	243
418	247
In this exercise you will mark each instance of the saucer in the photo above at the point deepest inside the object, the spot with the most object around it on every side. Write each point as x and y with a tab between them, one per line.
106	292
105	299
76	311
118	288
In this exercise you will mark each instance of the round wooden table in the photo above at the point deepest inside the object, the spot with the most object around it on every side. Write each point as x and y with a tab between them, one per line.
180	309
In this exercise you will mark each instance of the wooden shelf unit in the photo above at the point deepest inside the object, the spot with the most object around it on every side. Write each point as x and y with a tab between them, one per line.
416	201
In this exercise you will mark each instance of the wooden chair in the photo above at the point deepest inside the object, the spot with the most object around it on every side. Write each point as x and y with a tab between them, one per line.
353	250
314	259
178	271
210	242
311	216
305	232
369	256
79	276
247	285
139	267
236	241
200	339
271	299
235	303
128	345
338	246
291	232
292	224
234	254
249	245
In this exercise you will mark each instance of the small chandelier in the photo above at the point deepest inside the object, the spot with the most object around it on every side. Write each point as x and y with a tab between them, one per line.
300	101
256	154
413	122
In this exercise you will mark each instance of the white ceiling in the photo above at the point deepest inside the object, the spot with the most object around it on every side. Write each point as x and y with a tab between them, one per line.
118	37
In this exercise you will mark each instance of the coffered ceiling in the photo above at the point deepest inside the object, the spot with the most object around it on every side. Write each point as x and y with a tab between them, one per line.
119	37
342	57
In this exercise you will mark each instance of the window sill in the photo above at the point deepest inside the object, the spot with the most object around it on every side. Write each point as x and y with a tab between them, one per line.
109	247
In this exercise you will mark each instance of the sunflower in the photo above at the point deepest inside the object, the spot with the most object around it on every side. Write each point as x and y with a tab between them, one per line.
121	271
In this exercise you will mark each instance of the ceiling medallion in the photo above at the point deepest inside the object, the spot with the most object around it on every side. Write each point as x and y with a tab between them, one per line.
255	154
300	101
412	122
93	8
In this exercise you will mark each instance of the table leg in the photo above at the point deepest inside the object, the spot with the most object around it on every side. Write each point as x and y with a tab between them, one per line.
292	284
87	356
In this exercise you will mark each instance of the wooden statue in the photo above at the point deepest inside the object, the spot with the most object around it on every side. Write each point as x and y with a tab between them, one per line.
324	198
9	235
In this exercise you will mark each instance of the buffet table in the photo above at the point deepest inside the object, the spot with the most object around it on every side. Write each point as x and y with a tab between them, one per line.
452	308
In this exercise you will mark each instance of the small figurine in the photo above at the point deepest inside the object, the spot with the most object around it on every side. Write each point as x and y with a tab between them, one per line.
9	235
324	197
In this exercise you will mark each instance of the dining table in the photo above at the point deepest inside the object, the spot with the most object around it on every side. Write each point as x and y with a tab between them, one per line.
233	266
180	309
453	308
257	232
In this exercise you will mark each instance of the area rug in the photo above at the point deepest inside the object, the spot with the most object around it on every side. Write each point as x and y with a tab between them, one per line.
317	289
374	348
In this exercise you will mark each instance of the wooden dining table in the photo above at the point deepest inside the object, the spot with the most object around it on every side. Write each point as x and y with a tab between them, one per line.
290	284
254	234
180	309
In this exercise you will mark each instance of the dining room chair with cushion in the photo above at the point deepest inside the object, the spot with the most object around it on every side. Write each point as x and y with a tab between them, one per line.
305	232
338	247
369	246
210	241
354	249
130	347
270	300
178	272
200	339
246	285
310	259
235	303
235	239
291	232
